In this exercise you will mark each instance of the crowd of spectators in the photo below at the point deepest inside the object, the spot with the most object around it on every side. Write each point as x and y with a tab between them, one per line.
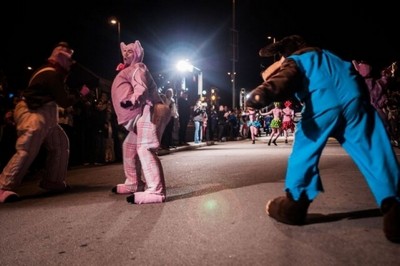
96	138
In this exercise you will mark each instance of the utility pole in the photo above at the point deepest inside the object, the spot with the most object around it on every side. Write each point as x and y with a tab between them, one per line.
234	54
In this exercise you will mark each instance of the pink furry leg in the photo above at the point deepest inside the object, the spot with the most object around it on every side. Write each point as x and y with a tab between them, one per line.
154	176
150	128
132	167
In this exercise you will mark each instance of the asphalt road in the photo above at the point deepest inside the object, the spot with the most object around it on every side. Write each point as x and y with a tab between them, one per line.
214	215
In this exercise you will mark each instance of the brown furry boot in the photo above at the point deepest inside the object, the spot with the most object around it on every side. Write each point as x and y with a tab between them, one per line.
286	210
391	219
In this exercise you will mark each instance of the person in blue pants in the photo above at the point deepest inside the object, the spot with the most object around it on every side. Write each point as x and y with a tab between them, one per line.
335	104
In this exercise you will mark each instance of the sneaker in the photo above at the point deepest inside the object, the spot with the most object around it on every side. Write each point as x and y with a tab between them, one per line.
391	219
7	196
286	210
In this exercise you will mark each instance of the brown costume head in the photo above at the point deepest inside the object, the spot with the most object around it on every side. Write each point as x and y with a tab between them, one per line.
62	55
284	47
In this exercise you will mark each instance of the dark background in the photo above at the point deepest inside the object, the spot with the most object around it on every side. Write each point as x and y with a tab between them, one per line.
196	30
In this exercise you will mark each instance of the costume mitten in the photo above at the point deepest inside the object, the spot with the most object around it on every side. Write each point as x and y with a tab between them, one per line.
257	98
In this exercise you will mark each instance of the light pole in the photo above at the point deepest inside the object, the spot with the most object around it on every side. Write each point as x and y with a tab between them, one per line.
185	66
235	44
115	21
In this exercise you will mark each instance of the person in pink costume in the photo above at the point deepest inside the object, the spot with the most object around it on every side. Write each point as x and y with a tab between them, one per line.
140	109
287	121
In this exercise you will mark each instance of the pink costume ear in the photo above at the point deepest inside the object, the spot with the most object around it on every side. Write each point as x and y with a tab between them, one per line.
139	51
122	47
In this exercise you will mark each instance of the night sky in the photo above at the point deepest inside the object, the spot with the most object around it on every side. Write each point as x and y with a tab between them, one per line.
194	30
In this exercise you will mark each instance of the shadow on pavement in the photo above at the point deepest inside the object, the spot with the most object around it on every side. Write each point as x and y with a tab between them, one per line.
315	218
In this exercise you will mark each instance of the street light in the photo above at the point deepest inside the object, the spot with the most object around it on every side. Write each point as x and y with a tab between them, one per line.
273	41
185	66
115	21
271	38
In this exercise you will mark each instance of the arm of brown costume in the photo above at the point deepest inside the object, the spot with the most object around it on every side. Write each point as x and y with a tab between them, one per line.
278	87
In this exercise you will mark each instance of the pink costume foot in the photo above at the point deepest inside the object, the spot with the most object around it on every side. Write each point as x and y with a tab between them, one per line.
144	197
125	189
7	196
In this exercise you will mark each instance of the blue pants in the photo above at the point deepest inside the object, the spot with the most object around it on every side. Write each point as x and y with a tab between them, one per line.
361	132
198	134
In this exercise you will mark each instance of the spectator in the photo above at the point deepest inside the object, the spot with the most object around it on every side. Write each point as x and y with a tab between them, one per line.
198	117
167	138
222	123
184	111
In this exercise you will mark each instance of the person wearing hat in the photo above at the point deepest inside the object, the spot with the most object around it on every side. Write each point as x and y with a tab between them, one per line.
36	119
335	104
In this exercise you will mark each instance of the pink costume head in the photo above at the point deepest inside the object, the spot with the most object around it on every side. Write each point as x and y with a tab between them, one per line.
132	53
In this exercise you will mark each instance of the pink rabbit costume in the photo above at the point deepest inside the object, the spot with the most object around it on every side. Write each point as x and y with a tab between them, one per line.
140	110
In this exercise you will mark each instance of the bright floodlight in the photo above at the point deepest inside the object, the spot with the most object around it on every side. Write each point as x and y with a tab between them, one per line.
184	66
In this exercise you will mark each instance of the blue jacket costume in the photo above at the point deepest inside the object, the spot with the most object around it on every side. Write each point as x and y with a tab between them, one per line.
335	104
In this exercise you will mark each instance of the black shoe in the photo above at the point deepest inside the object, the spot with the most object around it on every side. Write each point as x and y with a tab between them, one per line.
131	199
254	142
275	143
269	142
286	141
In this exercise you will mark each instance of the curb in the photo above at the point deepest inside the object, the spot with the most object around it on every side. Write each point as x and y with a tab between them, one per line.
191	146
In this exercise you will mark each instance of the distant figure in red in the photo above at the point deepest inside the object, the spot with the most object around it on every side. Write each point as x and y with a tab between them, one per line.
287	122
